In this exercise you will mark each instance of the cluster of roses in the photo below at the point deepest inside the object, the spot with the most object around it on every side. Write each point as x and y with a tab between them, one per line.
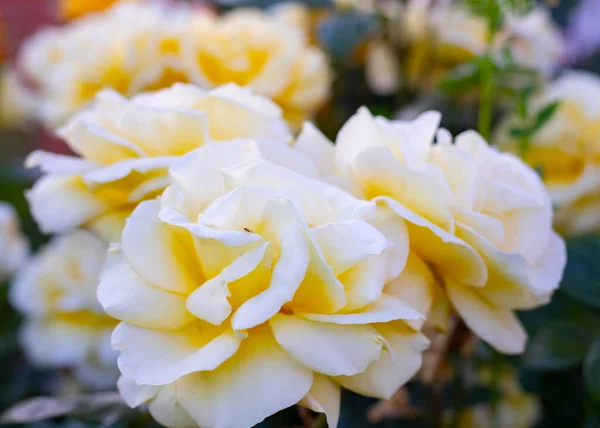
235	267
252	270
135	46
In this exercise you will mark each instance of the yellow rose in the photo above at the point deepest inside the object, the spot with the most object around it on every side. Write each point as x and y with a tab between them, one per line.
567	151
14	247
256	50
250	286
126	146
64	324
479	220
128	48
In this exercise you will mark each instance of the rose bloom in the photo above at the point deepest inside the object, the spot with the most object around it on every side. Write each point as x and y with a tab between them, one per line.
566	150
262	52
65	326
126	48
126	146
14	246
441	37
250	286
479	221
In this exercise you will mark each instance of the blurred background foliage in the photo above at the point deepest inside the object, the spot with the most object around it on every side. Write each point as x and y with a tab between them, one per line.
560	370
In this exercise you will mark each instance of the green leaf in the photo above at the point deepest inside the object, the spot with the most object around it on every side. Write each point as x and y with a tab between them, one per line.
581	280
463	78
591	370
343	32
563	342
523	98
544	115
518	132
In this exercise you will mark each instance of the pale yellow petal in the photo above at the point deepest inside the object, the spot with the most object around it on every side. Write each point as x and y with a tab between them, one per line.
498	326
259	380
157	252
128	297
330	349
154	357
325	396
396	366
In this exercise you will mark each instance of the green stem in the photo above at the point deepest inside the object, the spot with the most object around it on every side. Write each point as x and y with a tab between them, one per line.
484	124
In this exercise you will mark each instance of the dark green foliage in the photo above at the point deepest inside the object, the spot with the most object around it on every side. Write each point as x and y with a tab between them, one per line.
582	275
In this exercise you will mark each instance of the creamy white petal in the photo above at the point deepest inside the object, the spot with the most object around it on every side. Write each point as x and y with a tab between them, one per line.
313	144
546	274
209	301
364	282
95	143
133	394
53	163
330	349
395	231
153	357
232	238
259	173
395	367
160	131
382	174
358	134
199	175
325	396
61	203
451	255
156	253
284	155
167	410
288	272
497	326
346	243
128	297
259	380
120	170
416	286
386	308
